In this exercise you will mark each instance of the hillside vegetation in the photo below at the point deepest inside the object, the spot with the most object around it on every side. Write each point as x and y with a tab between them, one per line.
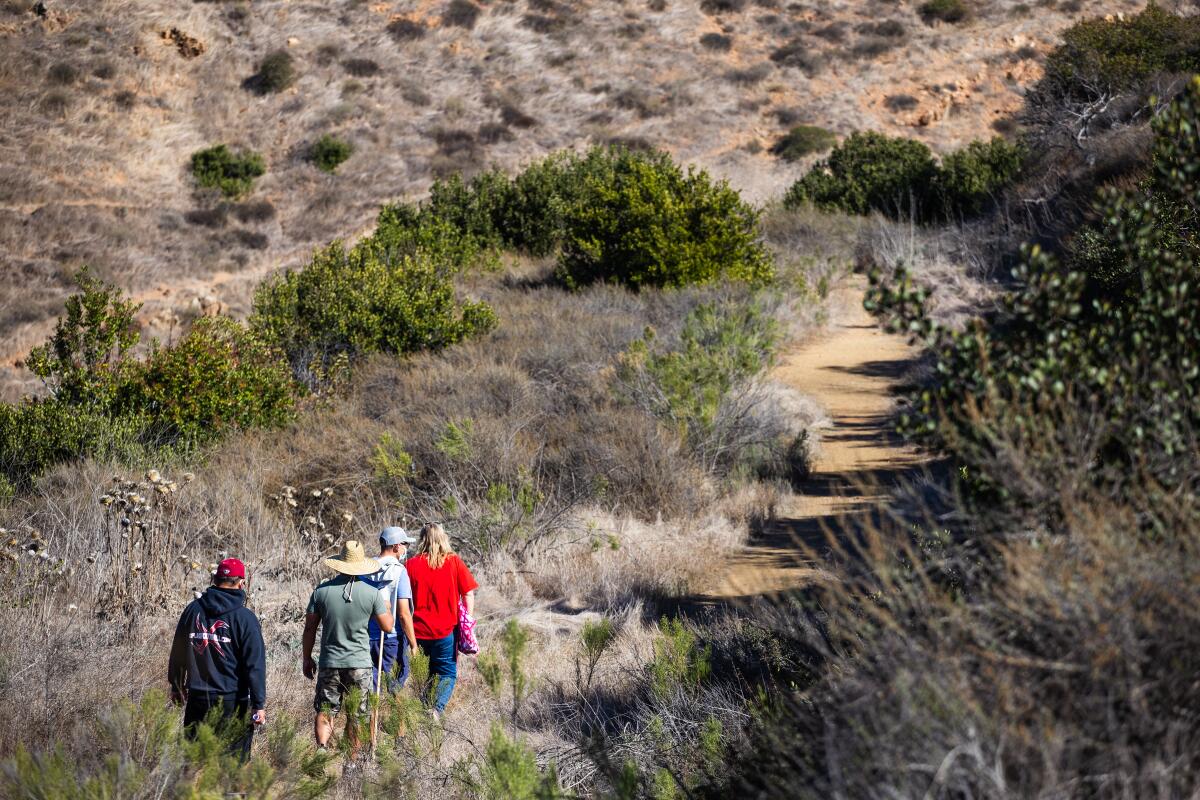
569	363
107	102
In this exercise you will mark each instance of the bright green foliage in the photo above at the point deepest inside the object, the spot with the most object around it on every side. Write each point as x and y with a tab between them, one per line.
406	230
38	434
514	640
869	172
218	167
329	152
638	219
719	347
597	637
968	179
363	301
679	662
510	772
455	440
803	140
139	751
944	10
391	463
83	362
663	786
105	403
1119	345
899	177
1102	56
220	376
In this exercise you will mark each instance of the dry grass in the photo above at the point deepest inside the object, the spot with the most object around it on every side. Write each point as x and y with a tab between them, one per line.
93	170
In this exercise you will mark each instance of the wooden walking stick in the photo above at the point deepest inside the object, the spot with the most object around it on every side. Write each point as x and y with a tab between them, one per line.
378	693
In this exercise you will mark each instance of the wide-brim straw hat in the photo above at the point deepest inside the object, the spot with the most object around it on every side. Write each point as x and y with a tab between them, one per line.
353	561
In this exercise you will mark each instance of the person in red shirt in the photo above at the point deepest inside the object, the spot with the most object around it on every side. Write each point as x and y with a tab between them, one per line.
440	581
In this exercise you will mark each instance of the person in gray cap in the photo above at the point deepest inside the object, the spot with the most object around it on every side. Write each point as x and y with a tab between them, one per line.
392	580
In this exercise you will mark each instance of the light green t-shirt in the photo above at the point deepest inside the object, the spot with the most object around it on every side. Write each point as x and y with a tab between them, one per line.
345	605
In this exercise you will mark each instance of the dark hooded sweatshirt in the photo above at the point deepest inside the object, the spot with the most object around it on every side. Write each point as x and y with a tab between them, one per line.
218	649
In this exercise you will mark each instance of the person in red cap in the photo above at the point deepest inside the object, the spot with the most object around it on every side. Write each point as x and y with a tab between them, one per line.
218	666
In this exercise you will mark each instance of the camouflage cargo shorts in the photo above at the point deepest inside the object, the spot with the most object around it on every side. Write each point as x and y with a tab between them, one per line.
334	683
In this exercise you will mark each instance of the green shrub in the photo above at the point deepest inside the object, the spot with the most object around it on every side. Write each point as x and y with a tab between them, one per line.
105	403
84	362
364	300
869	172
220	376
218	167
275	73
679	661
1112	55
406	230
944	11
36	435
1116	346
968	179
639	220
329	152
803	140
898	177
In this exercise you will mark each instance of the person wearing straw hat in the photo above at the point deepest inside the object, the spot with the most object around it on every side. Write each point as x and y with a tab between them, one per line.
341	607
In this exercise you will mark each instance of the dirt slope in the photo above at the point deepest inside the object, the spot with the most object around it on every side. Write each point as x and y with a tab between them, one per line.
850	370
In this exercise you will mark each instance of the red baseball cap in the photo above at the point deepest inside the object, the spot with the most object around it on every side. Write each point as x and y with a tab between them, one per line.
231	568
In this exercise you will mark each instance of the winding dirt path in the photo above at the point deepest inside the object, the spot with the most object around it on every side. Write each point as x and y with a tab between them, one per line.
851	370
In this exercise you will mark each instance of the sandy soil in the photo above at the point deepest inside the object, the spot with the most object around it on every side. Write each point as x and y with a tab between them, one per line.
850	369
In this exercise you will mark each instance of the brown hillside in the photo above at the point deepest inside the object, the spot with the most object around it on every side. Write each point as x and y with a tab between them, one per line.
104	101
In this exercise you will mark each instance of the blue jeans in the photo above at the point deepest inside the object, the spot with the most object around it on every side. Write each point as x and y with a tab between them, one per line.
393	655
443	666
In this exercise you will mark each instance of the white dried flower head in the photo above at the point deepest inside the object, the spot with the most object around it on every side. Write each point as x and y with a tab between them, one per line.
72	607
161	489
188	477
153	476
289	489
347	516
327	491
328	537
106	500
291	502
137	567
44	556
316	492
310	520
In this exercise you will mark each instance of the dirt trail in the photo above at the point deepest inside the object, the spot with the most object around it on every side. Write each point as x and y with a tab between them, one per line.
850	369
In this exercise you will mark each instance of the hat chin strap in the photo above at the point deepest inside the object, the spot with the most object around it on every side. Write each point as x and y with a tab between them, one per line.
348	591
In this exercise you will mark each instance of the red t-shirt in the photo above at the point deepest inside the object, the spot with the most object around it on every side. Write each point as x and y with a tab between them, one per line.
435	594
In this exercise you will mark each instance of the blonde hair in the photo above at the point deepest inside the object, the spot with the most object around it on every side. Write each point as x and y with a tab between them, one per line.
434	544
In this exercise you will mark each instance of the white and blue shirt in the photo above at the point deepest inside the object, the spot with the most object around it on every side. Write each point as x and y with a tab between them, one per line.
392	580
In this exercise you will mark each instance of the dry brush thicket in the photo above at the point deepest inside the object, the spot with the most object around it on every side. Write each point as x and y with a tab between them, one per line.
568	499
106	101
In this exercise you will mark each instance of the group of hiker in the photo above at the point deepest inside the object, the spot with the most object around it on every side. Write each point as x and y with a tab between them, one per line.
217	669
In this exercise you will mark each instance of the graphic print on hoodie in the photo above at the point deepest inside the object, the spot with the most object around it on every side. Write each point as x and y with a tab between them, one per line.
218	648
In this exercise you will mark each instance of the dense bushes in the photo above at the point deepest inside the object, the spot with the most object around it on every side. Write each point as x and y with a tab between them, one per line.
614	215
944	11
1117	345
640	220
328	153
899	177
218	167
104	402
364	300
1104	56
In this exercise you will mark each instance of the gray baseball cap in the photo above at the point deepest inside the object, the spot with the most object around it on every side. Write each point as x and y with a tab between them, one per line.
395	535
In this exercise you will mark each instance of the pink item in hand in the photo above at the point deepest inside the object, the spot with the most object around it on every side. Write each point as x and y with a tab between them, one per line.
466	631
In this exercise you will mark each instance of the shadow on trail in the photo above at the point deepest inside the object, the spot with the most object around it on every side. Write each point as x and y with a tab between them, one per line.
809	546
